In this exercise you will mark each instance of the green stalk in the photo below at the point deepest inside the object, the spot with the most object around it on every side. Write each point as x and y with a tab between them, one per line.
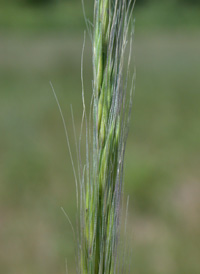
102	189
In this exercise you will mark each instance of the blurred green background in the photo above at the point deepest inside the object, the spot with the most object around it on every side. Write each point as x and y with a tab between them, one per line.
41	41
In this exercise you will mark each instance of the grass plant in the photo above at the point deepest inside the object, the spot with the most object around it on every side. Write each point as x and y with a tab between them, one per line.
102	177
161	169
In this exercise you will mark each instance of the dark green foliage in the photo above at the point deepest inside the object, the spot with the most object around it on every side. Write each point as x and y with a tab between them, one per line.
39	2
141	2
189	2
138	2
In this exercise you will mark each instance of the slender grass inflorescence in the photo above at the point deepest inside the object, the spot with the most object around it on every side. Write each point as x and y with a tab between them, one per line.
101	179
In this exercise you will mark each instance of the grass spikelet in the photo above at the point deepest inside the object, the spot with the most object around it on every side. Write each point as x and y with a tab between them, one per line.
102	176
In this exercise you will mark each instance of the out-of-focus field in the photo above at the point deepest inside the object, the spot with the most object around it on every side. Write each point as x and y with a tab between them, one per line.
162	175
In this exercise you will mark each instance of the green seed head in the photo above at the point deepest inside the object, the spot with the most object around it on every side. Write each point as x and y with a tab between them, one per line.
103	188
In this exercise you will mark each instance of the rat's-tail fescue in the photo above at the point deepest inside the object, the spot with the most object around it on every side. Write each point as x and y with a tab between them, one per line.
101	178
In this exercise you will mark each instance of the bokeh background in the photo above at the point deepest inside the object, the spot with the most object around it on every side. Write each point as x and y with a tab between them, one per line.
41	41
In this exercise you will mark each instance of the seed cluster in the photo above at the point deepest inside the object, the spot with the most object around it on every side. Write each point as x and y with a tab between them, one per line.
101	196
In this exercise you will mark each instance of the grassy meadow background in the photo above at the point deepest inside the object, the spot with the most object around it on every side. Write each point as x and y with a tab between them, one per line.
43	42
